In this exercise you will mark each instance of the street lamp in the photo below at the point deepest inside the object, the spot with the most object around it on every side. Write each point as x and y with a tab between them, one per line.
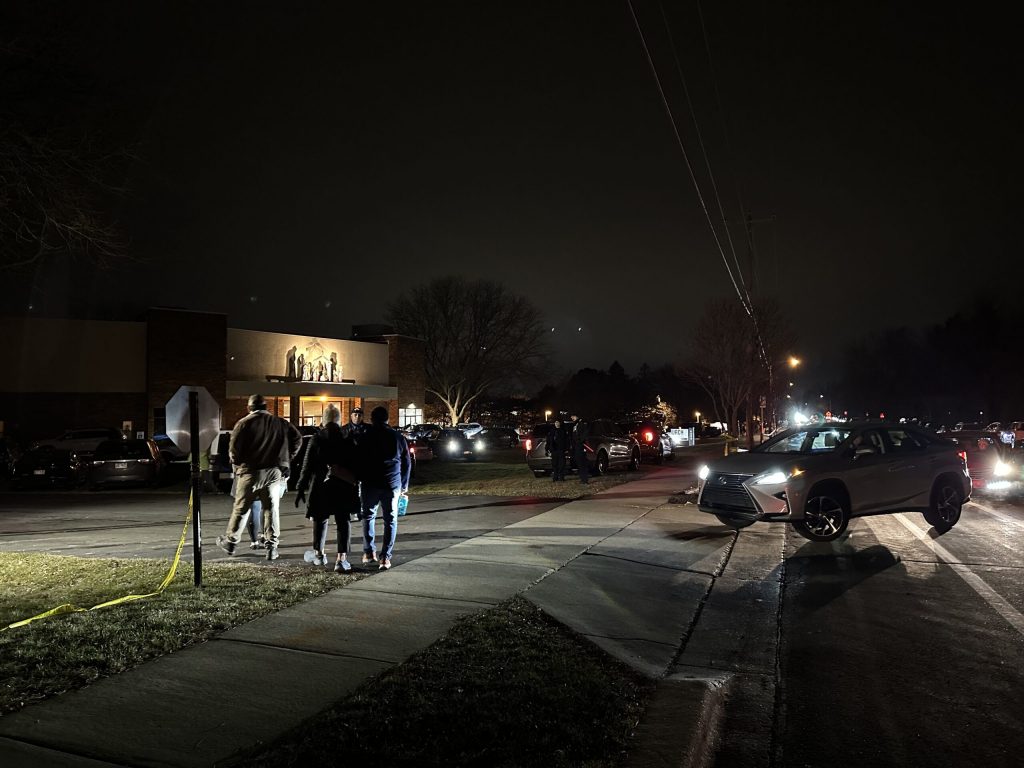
794	361
547	415
696	415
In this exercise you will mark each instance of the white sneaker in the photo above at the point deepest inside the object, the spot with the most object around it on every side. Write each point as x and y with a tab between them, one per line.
320	559
342	566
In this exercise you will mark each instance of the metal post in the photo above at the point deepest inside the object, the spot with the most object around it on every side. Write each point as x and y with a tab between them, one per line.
197	527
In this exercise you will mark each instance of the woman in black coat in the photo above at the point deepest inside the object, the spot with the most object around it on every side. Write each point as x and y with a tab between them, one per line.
328	476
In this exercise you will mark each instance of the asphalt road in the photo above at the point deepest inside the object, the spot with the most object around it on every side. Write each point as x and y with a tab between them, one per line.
900	647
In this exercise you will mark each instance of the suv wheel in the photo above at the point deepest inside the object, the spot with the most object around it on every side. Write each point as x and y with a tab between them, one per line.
825	518
601	464
634	460
944	511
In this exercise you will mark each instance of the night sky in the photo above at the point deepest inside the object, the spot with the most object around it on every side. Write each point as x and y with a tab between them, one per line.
299	167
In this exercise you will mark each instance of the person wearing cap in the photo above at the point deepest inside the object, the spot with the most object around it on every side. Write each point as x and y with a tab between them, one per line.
261	448
385	470
355	426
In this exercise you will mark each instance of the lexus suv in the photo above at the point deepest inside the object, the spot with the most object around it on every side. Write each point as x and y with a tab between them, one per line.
819	477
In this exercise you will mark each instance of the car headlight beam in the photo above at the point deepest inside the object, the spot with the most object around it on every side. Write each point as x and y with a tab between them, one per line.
1002	469
703	474
772	478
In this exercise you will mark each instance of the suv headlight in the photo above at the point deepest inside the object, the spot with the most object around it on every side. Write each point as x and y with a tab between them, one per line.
1002	469
703	474
772	478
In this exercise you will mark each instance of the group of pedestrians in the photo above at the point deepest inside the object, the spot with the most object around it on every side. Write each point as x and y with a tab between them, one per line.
347	473
568	438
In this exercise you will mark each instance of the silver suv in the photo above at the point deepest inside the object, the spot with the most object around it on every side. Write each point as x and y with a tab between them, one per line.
607	447
818	477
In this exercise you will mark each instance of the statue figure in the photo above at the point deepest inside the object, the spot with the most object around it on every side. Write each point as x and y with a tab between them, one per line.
290	370
300	369
333	368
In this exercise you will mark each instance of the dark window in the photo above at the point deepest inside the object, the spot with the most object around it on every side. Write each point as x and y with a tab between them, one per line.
159	421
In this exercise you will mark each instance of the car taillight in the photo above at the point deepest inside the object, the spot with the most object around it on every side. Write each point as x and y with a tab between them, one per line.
529	445
649	437
963	456
412	450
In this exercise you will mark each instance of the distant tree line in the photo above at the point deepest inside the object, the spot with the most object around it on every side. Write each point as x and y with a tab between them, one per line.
969	368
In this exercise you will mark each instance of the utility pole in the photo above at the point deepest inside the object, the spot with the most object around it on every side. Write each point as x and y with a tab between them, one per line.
749	284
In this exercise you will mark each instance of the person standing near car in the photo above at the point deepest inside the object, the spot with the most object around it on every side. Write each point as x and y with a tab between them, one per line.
555	447
385	468
578	438
261	448
328	473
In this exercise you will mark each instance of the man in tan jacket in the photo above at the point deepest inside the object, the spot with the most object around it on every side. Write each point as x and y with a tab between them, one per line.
261	449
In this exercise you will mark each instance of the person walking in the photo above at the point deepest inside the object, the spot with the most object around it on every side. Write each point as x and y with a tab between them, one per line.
555	447
385	469
328	473
578	438
261	448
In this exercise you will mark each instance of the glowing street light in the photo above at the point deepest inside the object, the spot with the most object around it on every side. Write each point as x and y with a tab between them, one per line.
794	361
547	415
696	415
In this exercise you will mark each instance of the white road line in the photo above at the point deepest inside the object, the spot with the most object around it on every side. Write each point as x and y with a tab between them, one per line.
973	580
996	513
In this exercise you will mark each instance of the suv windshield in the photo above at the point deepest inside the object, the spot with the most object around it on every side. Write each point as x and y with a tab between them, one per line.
806	441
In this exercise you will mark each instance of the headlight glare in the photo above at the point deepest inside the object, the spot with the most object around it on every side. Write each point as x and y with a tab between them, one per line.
1002	469
703	474
772	478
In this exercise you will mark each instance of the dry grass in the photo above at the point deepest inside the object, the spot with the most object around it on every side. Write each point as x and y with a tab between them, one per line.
65	652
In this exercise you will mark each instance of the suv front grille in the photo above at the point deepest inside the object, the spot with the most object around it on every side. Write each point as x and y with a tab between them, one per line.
726	491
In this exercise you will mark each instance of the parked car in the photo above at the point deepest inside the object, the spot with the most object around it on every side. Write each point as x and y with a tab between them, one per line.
169	450
422	448
82	442
819	477
221	472
454	444
655	443
499	437
990	464
422	430
608	447
119	462
469	429
48	467
1013	434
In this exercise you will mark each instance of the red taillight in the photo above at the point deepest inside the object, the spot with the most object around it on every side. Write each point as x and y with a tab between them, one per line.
963	456
649	437
529	444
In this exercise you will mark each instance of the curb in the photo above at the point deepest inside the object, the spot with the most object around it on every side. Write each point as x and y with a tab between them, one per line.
681	725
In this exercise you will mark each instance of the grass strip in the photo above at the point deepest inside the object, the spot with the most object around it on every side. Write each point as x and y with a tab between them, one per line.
504	477
66	652
507	687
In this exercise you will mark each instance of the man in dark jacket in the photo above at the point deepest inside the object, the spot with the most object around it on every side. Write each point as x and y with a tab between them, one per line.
329	475
579	436
261	448
355	426
386	466
555	447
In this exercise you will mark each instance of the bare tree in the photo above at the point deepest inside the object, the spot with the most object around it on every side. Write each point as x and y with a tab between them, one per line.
733	357
59	180
478	335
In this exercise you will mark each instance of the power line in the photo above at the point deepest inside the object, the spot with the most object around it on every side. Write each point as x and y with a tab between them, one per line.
703	149
686	158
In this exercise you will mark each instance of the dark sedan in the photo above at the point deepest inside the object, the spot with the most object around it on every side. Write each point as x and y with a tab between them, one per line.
48	467
126	462
498	437
453	444
655	443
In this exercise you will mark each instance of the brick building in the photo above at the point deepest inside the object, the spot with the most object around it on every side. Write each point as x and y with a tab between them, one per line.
60	374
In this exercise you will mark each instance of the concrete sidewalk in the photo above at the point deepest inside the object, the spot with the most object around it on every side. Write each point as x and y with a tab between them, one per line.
624	568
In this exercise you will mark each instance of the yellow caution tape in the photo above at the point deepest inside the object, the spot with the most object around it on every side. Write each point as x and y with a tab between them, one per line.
69	608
